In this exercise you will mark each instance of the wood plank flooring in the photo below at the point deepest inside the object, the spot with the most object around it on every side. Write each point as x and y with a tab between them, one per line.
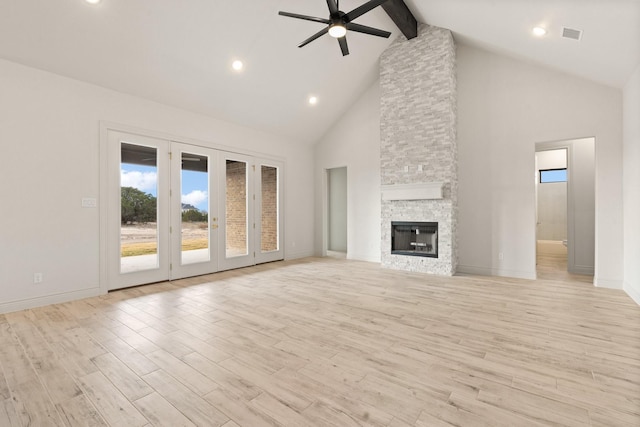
326	342
551	263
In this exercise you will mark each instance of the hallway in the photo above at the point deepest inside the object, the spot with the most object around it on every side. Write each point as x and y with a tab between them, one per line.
551	263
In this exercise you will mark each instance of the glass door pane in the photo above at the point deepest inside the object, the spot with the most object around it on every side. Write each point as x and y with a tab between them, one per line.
138	208
236	225
194	209
269	233
268	210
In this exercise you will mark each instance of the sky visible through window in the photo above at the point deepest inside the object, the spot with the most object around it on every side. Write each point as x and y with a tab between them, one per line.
553	175
144	178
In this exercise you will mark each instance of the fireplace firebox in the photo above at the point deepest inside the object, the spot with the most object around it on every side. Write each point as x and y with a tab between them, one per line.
414	238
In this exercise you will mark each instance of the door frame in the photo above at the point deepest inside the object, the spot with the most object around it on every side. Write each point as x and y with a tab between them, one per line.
568	144
103	200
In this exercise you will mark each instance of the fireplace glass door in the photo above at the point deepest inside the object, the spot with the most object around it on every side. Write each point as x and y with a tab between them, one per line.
414	238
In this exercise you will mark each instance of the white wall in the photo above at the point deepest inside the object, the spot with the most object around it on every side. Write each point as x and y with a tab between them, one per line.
505	106
337	209
49	160
354	142
631	167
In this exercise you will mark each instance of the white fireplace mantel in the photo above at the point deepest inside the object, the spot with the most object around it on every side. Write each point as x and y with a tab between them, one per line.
421	191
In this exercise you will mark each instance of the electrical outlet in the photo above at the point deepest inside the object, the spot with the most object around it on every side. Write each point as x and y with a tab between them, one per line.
37	277
501	256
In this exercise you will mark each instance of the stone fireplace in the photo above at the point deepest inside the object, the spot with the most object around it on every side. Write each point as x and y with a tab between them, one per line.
418	149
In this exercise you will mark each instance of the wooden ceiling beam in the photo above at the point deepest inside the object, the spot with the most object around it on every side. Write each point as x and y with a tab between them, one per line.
402	17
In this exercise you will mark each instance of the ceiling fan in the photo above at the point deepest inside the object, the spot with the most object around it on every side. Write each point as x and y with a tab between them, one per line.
339	22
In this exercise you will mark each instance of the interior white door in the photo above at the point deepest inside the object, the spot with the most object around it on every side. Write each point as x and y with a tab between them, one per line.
138	248
268	210
236	235
194	210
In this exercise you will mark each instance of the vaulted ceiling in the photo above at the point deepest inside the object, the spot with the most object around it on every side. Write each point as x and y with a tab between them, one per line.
180	52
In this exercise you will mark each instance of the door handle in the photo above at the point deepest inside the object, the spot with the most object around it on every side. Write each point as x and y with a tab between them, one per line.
214	226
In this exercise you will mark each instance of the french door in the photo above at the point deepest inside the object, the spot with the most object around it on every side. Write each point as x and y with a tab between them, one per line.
251	201
177	210
194	210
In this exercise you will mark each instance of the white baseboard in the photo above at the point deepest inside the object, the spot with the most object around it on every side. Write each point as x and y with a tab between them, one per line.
25	304
362	257
484	271
581	269
607	283
289	255
632	292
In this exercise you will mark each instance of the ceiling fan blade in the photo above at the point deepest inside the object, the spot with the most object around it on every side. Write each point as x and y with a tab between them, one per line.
361	10
333	6
343	46
315	36
367	30
305	17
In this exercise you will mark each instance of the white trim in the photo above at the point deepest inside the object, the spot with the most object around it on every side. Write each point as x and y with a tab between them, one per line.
42	301
607	283
421	191
632	292
583	269
119	127
289	255
364	257
483	271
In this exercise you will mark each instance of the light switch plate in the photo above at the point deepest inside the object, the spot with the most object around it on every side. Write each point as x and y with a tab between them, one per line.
89	202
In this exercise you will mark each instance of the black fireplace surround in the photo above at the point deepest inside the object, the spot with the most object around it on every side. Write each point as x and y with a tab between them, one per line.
414	238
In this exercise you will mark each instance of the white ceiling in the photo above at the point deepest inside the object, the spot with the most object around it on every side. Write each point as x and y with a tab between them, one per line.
179	52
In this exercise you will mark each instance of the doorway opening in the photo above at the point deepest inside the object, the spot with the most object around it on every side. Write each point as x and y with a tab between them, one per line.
565	209
337	212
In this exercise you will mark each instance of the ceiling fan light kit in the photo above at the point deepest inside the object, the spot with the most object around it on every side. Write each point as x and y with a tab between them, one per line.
339	23
337	31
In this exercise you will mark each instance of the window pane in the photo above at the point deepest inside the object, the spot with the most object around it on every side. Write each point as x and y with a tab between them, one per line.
236	209
138	208
269	234
194	183
553	175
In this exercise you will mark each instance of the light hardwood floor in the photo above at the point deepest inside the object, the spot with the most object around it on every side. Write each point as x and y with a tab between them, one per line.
551	260
326	342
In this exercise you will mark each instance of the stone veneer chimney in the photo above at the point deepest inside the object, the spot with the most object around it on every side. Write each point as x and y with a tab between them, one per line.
418	131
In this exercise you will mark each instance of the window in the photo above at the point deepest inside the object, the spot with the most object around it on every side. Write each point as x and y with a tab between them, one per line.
553	175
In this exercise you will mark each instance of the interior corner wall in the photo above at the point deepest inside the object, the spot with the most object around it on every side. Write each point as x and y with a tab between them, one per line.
631	185
354	142
506	106
49	161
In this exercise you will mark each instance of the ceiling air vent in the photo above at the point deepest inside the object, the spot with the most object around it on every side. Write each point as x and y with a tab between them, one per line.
571	33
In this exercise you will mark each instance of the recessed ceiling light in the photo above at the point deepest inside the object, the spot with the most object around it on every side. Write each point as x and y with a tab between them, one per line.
92	1
313	100
539	31
237	65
